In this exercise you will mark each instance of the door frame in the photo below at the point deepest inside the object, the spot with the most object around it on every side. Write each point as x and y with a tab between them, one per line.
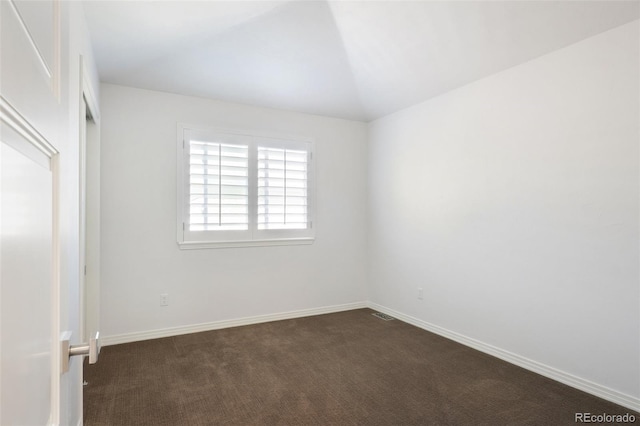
87	102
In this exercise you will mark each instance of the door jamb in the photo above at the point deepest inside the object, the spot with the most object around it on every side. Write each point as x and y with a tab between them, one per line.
86	96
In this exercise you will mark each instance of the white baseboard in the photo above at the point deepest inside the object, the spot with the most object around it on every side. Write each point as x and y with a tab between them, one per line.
584	385
216	325
600	391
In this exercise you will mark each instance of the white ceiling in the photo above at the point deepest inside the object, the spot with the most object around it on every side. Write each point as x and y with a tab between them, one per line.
350	59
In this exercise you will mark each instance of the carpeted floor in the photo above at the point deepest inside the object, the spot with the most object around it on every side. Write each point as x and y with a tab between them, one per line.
348	368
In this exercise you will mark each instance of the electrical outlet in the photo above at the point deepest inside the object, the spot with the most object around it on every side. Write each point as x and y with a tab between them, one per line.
420	293
164	299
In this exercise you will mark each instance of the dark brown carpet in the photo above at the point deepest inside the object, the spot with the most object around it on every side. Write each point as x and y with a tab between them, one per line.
348	368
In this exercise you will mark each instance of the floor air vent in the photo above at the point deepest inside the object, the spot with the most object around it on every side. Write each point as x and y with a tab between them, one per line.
383	316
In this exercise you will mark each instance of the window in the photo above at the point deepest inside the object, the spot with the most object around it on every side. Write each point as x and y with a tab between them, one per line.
282	188
242	189
218	186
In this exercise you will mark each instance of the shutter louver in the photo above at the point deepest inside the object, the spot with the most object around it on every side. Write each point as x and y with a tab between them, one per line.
218	186
282	188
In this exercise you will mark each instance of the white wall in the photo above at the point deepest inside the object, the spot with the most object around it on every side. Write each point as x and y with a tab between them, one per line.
513	202
140	256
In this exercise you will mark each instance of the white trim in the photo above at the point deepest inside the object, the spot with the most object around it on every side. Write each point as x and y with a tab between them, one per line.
12	118
87	103
576	382
196	245
88	91
252	237
180	170
56	296
82	204
216	325
584	385
244	132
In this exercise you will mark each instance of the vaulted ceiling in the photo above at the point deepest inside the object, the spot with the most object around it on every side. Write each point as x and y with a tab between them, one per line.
351	59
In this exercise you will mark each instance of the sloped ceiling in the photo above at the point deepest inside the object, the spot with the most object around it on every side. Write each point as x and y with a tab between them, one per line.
350	59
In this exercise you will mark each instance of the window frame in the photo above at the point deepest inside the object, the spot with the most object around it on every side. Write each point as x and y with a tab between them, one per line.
253	237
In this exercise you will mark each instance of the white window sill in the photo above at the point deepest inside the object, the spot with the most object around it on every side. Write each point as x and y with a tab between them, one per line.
197	245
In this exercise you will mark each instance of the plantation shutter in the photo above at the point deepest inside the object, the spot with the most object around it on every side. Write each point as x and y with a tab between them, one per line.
282	188
218	186
238	189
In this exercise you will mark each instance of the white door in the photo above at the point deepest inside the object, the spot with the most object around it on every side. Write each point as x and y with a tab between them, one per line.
26	281
31	122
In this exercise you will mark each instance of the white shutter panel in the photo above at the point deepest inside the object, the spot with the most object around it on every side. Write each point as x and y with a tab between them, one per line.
218	186
282	188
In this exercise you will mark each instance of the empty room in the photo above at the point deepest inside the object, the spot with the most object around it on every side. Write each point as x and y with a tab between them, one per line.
319	212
